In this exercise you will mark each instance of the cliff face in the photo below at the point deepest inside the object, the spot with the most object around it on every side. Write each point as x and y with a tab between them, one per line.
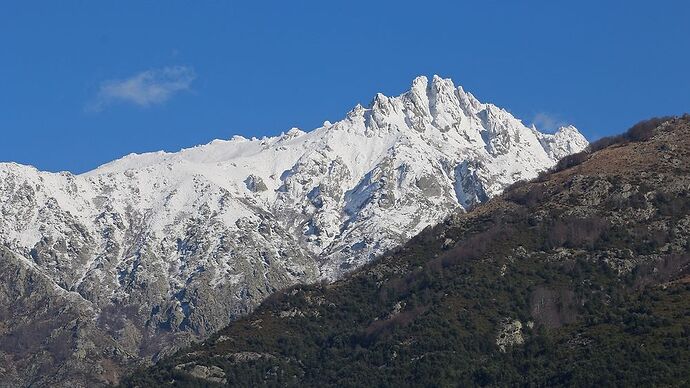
580	277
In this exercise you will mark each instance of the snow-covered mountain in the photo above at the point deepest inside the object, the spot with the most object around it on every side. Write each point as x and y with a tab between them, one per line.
165	247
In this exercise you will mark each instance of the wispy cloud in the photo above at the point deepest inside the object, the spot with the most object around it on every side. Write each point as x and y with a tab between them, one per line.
548	122
151	87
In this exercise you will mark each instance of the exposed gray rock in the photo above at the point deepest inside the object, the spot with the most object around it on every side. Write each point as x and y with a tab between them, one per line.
255	184
509	334
211	373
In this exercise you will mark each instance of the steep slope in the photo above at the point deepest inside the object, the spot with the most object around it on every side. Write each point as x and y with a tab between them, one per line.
579	278
163	248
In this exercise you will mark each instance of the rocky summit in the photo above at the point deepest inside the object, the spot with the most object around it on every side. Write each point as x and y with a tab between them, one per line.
128	262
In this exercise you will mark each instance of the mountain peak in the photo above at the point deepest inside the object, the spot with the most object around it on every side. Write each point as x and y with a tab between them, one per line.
561	143
419	84
230	221
439	108
440	83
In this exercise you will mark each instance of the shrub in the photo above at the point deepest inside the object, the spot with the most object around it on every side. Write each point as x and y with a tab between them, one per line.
575	232
571	161
644	130
530	197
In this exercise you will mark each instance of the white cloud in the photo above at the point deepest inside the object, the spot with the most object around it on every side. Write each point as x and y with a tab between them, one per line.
548	122
144	89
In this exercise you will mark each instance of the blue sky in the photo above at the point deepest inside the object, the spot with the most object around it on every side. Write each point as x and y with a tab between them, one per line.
84	82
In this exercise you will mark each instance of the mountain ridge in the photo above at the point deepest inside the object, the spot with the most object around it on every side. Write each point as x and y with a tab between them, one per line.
579	277
169	247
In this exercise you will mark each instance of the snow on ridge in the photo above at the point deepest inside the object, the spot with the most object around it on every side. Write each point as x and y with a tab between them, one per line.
246	216
441	124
